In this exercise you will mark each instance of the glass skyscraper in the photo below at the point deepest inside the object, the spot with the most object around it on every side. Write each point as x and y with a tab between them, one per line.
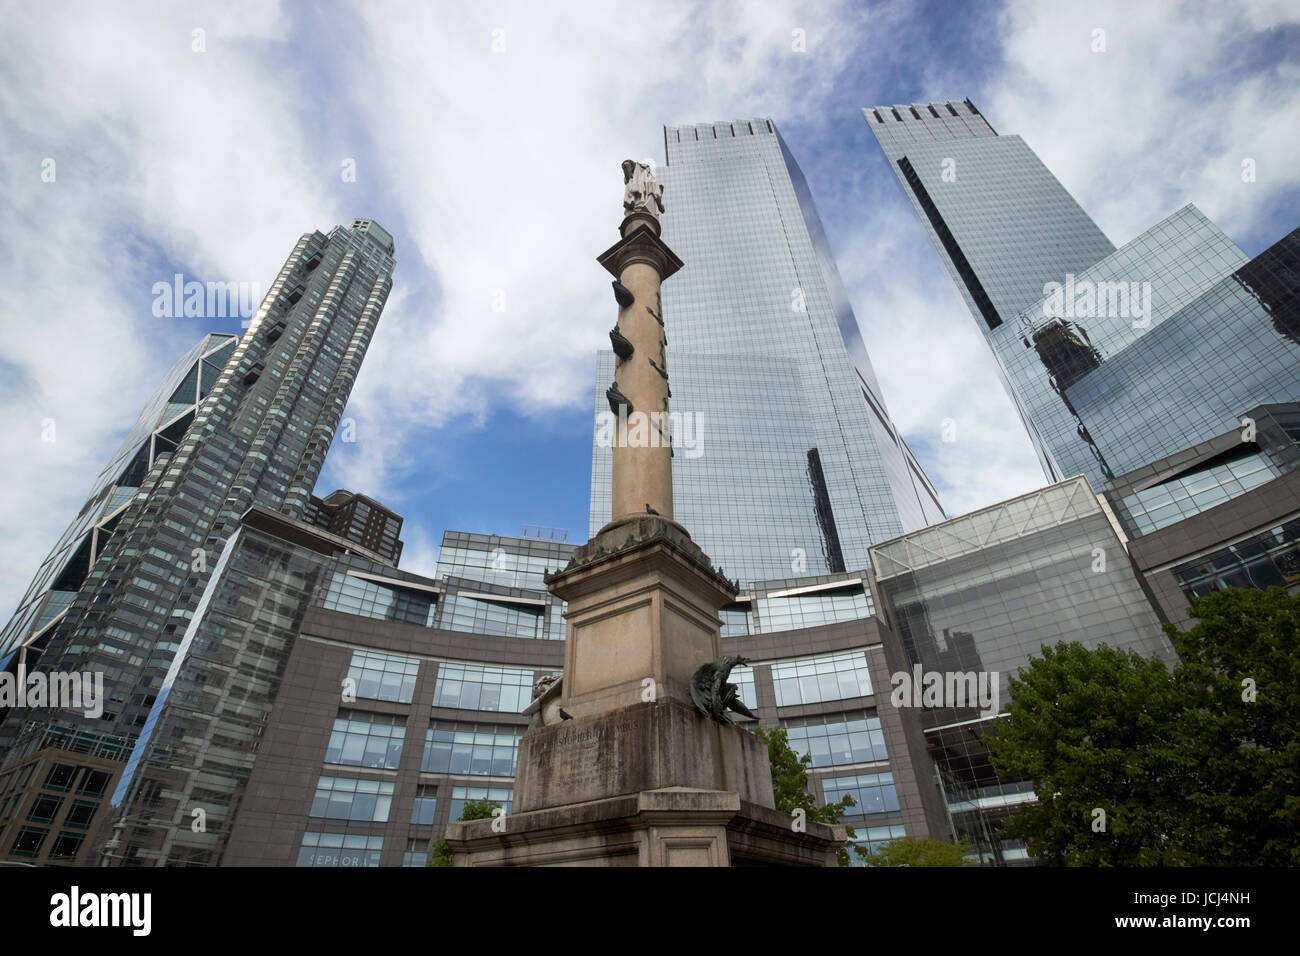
259	436
156	434
980	595
788	463
1060	353
1002	224
1116	358
1166	372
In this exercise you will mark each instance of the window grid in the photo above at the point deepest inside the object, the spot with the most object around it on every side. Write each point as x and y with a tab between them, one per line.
483	687
366	740
377	676
812	681
346	798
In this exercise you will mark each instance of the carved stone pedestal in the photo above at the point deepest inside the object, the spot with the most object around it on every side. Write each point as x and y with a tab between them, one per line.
642	615
633	774
650	746
668	827
637	776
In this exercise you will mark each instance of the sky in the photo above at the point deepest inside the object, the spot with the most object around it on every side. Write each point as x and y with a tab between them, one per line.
141	141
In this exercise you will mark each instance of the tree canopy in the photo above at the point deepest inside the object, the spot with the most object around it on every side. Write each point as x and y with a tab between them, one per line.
1134	764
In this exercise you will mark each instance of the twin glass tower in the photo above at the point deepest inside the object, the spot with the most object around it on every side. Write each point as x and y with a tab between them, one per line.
1115	358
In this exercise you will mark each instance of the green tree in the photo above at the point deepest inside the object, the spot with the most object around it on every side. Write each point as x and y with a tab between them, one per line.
1097	733
1137	765
790	788
915	851
474	810
1240	671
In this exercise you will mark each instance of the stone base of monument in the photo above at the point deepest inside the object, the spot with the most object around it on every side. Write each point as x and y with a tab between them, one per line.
650	784
675	826
642	615
648	746
625	770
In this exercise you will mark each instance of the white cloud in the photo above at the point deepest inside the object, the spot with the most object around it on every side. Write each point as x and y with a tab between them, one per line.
1164	116
1158	120
507	165
152	157
502	169
213	158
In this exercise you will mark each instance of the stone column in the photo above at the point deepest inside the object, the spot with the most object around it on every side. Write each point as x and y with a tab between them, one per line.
626	770
642	452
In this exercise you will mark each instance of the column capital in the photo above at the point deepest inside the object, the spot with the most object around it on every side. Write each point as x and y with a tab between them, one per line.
640	245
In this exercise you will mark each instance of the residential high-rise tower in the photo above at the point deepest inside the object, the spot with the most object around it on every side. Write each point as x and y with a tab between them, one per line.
156	434
259	436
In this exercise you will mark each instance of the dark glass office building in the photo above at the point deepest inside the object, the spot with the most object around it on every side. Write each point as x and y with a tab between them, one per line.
1117	358
1001	223
980	595
1167	372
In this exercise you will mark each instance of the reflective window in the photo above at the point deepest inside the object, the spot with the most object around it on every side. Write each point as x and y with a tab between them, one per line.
462	795
818	679
417	853
735	620
810	610
851	738
871	792
1264	560
425	806
1171	501
483	687
344	798
339	849
495	564
488	749
366	740
353	595
873	838
480	616
743	678
383	676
